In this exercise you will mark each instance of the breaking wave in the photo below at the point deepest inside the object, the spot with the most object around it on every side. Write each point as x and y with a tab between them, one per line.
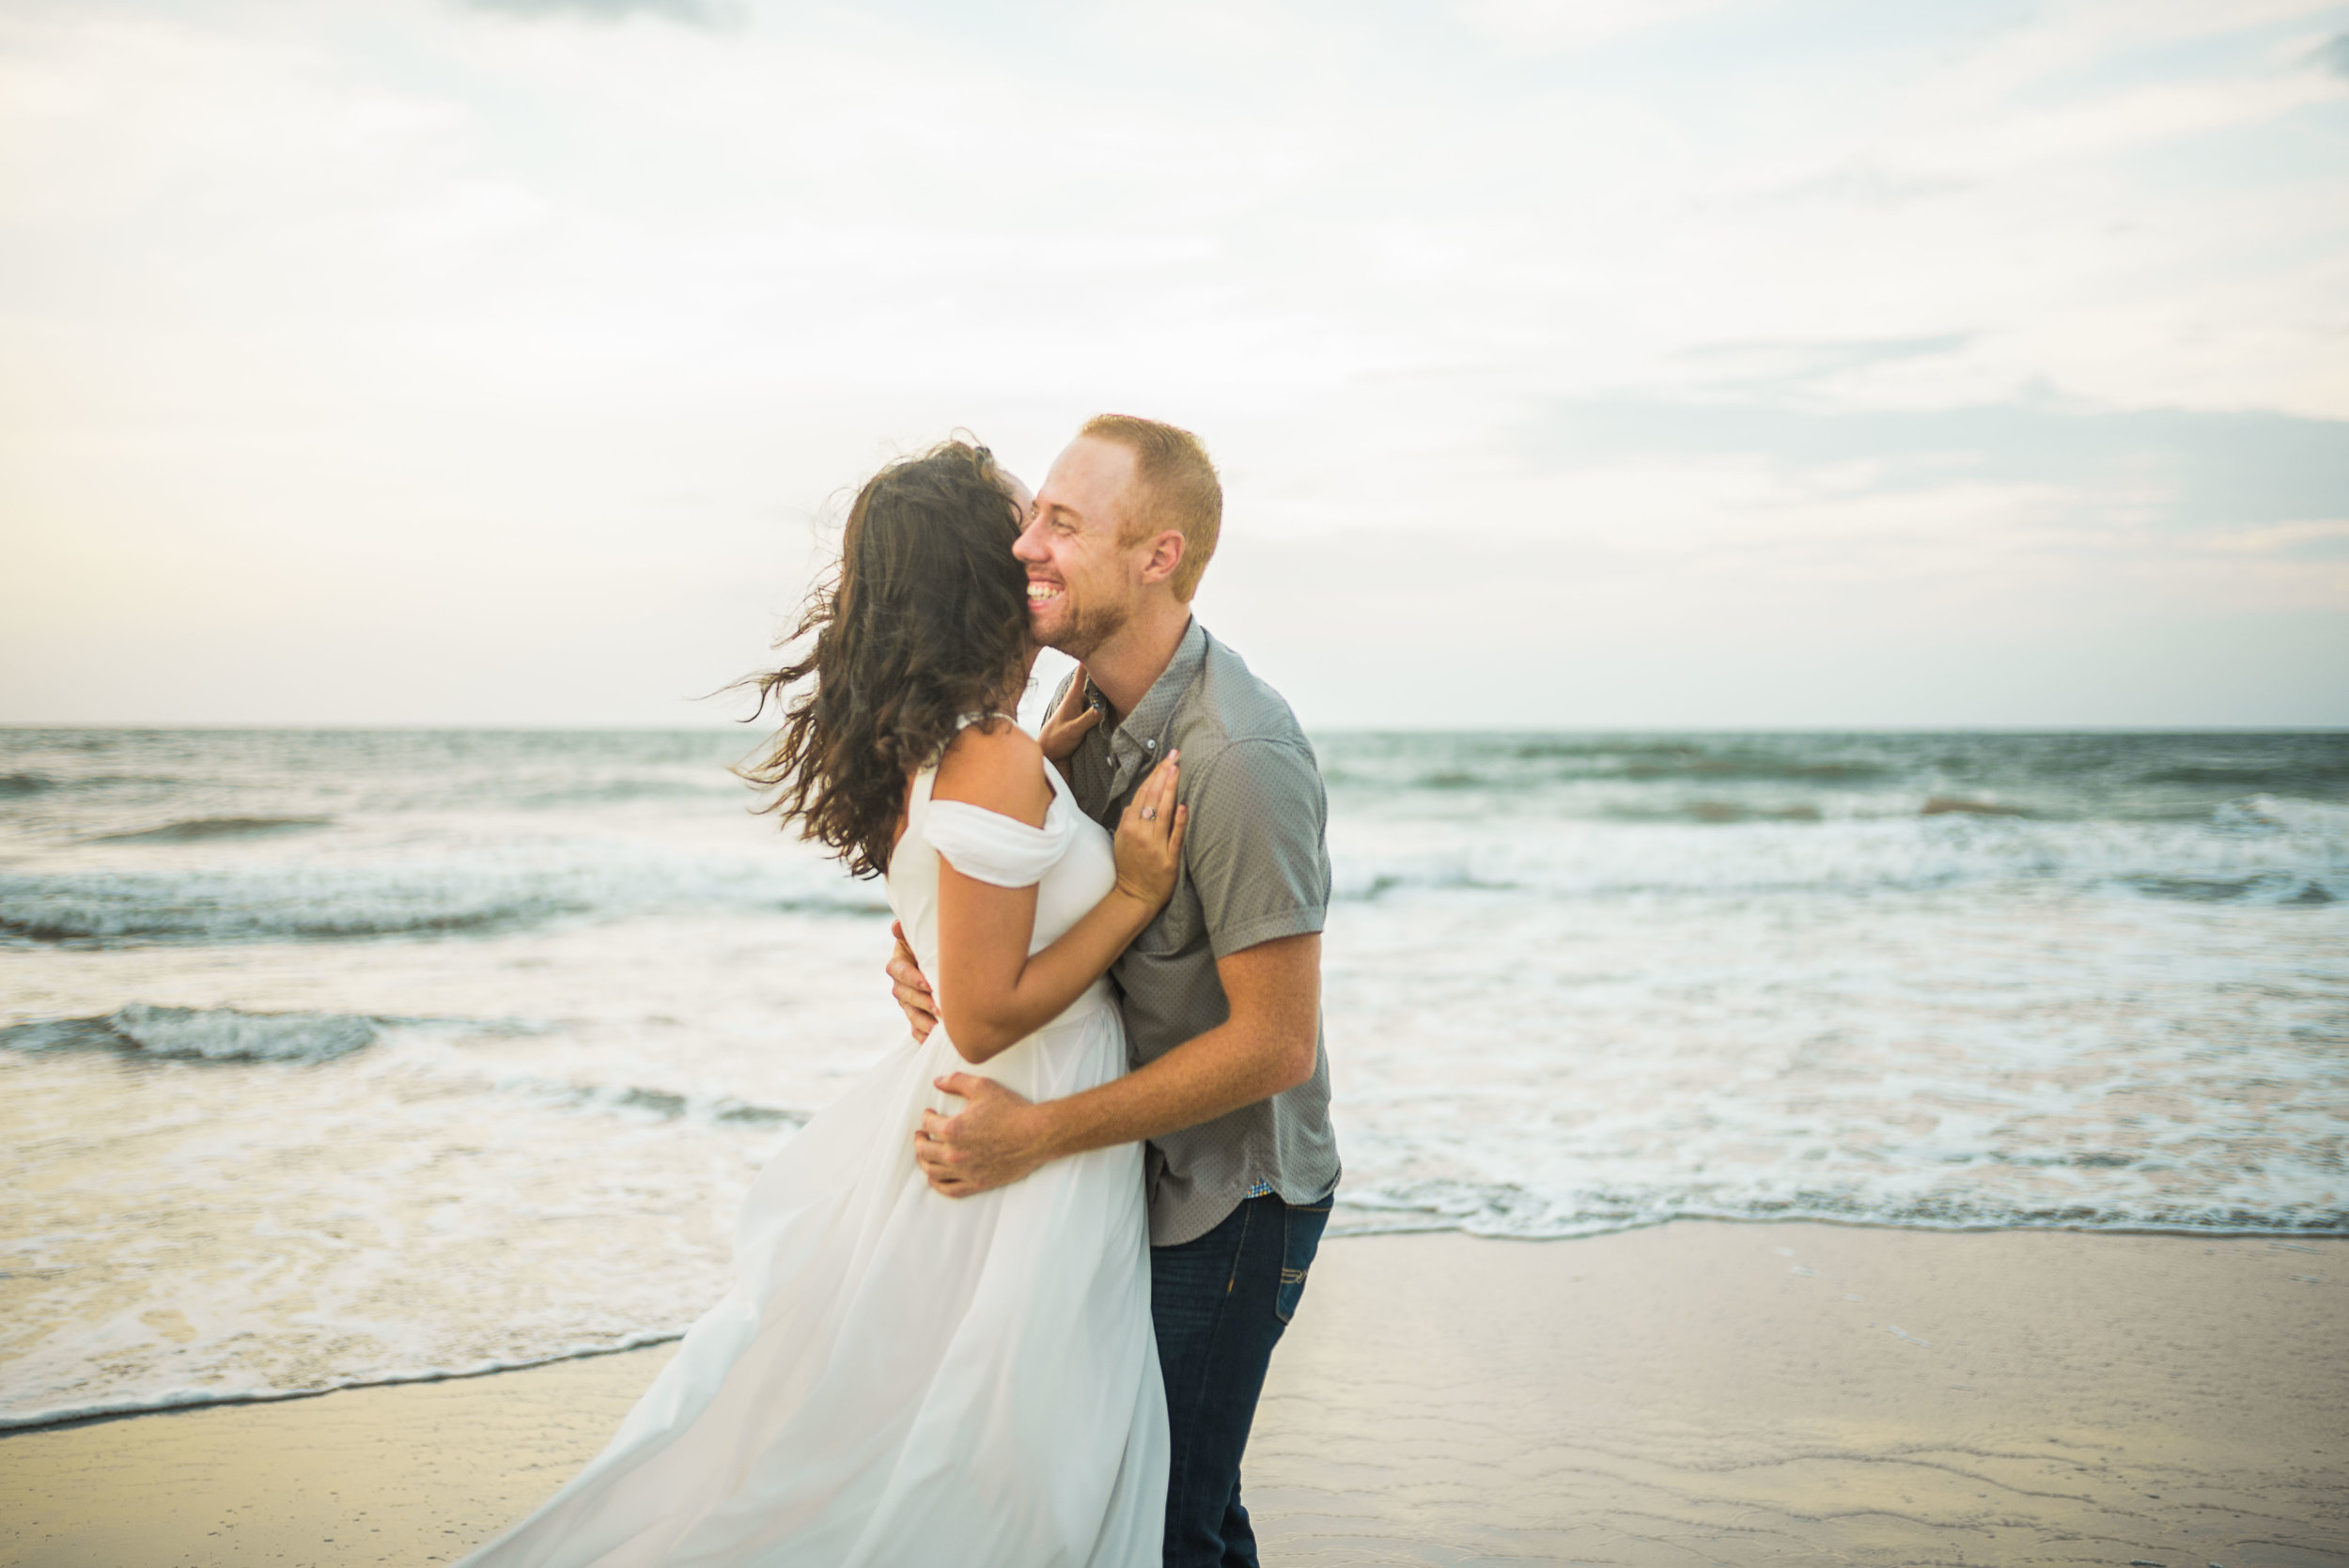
1516	1212
263	1393
315	903
200	829
203	1034
2258	850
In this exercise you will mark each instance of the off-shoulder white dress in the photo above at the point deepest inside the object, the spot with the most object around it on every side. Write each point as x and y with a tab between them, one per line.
899	1379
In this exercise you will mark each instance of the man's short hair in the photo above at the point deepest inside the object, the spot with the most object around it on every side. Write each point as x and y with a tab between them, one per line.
1178	489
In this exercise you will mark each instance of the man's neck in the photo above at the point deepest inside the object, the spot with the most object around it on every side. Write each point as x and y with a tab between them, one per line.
1131	662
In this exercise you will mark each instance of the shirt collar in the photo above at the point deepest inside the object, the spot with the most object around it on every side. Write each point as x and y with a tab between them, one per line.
1153	715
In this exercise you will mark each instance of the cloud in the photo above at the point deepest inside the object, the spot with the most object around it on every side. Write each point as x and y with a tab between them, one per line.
1753	366
2181	469
1576	23
1863	183
2333	57
2304	541
1667	303
697	13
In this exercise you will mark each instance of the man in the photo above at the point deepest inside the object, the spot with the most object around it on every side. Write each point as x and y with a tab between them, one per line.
1221	994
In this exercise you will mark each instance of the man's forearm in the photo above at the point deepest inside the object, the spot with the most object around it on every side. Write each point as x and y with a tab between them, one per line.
1270	1041
1204	1077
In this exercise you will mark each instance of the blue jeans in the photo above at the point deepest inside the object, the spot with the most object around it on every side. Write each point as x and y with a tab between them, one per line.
1219	1304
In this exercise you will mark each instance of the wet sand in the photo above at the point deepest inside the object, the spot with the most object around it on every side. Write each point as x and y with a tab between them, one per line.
1696	1393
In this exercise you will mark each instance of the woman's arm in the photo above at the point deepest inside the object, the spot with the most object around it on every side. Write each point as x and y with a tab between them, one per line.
992	993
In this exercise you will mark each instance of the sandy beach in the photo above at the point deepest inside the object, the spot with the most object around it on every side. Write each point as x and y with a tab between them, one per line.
1695	1393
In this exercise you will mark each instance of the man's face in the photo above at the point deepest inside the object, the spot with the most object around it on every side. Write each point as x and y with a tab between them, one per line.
1081	582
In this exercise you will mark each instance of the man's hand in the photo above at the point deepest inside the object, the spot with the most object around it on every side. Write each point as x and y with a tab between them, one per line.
911	986
998	1138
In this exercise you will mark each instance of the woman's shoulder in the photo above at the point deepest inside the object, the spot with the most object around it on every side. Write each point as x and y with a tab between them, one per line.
995	764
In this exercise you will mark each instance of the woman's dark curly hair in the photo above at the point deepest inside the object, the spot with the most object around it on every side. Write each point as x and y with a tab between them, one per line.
925	620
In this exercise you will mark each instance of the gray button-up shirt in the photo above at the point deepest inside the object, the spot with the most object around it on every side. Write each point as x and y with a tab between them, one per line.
1255	867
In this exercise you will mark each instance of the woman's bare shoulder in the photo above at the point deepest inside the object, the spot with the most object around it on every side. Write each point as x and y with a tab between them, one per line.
999	766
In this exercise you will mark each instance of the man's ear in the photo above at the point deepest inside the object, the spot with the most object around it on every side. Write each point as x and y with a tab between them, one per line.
1166	554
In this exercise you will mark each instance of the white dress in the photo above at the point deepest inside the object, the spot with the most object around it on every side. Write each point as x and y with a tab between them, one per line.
900	1379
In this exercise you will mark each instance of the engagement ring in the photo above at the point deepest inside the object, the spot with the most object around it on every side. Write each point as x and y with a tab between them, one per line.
1149	813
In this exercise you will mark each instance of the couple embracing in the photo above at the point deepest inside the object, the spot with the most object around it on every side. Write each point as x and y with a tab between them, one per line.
1009	1301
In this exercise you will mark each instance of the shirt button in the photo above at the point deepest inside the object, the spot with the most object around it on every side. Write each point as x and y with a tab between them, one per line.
1150	745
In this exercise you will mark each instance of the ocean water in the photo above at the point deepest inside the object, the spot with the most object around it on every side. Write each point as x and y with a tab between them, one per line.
334	1058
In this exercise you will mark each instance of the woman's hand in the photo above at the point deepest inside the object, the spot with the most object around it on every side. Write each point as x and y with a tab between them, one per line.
1071	722
1150	841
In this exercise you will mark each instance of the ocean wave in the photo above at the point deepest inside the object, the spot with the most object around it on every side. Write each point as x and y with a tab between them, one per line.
312	902
232	1034
2266	887
2260	850
2078	777
607	792
1499	1211
2309	778
1732	811
204	1033
1539	765
1508	1211
189	1399
1959	805
198	830
2272	814
1671	759
1641	1002
75	782
641	1102
1364	879
110	909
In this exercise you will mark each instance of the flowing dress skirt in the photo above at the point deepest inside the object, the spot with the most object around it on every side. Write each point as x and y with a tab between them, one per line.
900	1379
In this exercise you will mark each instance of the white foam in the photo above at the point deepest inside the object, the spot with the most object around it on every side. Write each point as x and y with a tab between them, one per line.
187	1399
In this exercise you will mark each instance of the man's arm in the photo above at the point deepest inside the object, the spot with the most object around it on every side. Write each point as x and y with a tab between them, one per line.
1269	1043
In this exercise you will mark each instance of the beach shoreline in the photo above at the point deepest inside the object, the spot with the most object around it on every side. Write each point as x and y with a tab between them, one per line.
1697	1393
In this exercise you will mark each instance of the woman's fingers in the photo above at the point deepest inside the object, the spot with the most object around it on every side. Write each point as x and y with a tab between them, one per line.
1151	816
1159	787
1142	807
1149	844
1073	701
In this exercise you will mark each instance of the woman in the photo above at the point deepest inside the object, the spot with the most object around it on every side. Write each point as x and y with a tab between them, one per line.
901	1379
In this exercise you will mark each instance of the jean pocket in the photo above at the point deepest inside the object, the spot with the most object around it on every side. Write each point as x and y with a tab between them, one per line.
1301	1238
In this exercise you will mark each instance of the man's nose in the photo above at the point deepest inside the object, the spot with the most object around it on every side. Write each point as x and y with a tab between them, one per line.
1029	546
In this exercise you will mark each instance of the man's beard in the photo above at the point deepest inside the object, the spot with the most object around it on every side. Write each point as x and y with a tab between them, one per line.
1088	628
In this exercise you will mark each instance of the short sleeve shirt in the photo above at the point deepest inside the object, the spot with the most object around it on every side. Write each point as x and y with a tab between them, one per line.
1255	868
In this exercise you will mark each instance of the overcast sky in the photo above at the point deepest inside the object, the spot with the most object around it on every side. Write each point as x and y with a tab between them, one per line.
1594	363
